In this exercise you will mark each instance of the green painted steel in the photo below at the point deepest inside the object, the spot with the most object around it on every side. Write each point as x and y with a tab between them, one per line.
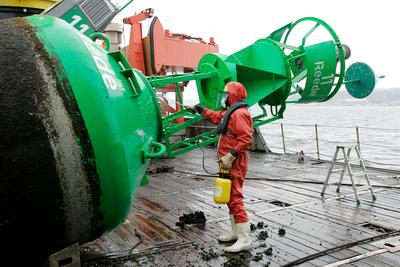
321	68
326	55
263	70
269	72
271	69
98	35
78	19
360	80
119	109
209	88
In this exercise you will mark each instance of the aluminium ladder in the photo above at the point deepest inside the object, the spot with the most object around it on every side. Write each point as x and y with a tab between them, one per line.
347	165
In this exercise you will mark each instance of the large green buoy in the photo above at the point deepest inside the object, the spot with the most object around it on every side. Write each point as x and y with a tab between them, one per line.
77	131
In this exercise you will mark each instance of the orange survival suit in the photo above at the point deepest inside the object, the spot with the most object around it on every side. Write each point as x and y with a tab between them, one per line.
237	141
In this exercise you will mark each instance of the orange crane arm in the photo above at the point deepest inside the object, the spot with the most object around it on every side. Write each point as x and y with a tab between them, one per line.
135	52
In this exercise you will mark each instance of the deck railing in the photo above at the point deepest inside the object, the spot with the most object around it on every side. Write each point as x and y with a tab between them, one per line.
316	140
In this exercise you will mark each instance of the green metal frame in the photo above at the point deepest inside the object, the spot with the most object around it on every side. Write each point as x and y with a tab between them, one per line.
203	139
160	81
342	65
170	127
269	75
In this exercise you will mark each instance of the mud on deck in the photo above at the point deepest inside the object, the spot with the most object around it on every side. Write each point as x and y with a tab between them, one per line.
310	223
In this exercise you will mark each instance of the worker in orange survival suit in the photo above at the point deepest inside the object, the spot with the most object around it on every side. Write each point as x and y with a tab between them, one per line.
235	127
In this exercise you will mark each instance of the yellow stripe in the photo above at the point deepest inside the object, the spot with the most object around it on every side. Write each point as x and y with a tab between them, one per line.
39	4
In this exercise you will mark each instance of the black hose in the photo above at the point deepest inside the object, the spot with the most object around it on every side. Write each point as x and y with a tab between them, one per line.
204	167
341	247
288	180
138	235
204	155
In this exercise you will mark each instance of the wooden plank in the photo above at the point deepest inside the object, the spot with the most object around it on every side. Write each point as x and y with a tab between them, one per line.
311	224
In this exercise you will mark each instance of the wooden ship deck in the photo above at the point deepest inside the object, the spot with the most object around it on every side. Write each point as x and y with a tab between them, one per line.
316	232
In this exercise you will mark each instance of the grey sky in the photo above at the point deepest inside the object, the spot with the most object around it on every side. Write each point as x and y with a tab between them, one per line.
371	28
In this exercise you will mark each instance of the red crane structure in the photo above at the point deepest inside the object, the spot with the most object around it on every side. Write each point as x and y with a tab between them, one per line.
162	52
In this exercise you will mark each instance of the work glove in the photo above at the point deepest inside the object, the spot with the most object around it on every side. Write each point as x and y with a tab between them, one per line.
226	161
196	108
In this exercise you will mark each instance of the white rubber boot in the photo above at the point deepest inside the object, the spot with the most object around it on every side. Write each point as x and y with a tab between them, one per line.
243	242
232	235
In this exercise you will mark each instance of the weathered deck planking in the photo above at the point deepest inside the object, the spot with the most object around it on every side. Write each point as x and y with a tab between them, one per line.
311	224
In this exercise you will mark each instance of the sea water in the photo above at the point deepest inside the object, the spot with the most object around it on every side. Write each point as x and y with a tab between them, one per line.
378	128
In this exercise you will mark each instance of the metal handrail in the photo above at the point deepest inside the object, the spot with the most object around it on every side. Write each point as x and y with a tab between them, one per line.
318	140
339	126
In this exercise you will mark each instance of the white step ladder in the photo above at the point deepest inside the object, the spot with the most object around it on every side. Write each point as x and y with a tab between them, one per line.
346	150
